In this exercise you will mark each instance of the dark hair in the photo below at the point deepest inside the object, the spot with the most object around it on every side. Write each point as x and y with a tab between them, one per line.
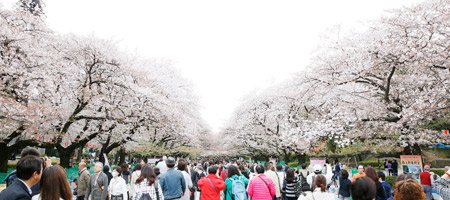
290	175
279	167
233	170
138	167
363	189
27	165
147	173
29	151
54	184
119	170
182	165
170	165
241	168
259	169
304	166
212	169
252	169
156	170
381	175
402	177
320	181
372	174
106	168
409	189
125	167
344	174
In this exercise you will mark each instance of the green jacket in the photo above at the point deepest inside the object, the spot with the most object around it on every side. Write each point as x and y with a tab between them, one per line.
228	190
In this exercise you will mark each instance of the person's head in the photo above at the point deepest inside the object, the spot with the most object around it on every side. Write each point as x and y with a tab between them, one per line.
360	169
29	168
29	151
403	177
106	169
426	168
156	170
381	175
54	184
241	168
170	162
290	175
125	167
147	173
142	162
269	166
408	189
304	166
98	167
279	167
320	182
259	169
317	169
182	163
117	172
344	174
138	167
212	169
233	170
81	166
372	174
164	158
363	188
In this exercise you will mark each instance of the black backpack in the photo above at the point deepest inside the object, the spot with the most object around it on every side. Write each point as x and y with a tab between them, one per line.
304	183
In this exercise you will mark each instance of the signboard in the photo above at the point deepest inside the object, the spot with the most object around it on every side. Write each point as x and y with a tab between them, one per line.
411	164
316	161
152	161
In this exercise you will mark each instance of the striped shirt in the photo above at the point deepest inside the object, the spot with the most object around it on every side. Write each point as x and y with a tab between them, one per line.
290	189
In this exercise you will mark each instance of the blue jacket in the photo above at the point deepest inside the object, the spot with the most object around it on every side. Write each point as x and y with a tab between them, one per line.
11	178
172	184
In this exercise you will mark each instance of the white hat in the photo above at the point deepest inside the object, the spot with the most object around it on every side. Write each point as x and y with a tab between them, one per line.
317	168
446	176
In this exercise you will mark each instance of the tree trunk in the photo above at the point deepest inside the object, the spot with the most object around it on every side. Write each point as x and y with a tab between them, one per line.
64	159
301	158
122	156
5	154
80	154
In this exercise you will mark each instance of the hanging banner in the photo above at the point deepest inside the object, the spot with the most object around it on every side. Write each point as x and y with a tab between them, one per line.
411	164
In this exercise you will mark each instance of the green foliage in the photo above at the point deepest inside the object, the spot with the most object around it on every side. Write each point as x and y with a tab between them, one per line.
439	172
391	180
293	164
438	124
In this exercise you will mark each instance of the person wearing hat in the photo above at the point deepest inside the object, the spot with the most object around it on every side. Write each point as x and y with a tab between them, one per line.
317	169
442	185
359	174
426	180
172	182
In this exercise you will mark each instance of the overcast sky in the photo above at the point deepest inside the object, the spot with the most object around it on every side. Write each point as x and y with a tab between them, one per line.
228	49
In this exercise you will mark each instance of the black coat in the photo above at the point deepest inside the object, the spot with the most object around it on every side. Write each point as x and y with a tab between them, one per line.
16	191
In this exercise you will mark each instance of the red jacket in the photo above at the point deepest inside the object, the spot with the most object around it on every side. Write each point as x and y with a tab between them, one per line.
211	186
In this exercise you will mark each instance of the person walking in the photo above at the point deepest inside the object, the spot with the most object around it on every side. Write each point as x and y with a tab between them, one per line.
380	192
291	185
261	187
236	184
211	185
196	175
98	186
147	185
54	185
319	190
344	186
172	182
275	179
182	164
134	176
359	174
117	188
83	180
426	180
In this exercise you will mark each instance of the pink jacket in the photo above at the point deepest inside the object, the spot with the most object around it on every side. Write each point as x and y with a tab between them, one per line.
258	190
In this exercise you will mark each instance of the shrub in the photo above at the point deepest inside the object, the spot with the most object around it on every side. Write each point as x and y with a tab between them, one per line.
391	180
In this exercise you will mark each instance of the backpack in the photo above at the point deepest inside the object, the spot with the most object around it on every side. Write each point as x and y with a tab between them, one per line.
145	196
304	184
238	189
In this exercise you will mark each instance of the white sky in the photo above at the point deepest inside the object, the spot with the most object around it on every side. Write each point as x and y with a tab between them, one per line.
228	49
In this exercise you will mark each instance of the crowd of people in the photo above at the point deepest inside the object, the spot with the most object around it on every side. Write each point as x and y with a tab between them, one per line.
169	179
